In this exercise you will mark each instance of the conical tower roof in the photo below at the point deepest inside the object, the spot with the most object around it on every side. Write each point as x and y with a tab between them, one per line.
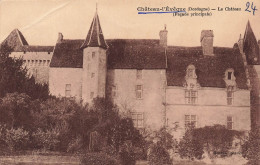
95	37
250	46
15	40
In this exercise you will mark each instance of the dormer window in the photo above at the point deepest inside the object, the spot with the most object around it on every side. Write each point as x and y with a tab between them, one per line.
229	75
190	72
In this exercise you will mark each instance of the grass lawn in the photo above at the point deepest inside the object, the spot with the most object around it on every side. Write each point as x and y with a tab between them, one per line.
39	160
66	160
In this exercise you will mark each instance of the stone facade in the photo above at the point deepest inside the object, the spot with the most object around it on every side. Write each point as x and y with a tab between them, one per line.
210	108
148	100
66	82
37	64
154	83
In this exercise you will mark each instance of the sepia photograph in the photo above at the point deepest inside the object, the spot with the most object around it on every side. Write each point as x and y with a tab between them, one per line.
140	82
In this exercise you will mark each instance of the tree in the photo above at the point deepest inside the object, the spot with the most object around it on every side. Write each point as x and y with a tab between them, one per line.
216	140
251	148
14	78
15	111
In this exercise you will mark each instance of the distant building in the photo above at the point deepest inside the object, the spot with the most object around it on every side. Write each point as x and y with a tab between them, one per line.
36	58
157	84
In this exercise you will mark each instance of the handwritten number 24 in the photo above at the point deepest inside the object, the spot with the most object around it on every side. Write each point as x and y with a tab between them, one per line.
252	7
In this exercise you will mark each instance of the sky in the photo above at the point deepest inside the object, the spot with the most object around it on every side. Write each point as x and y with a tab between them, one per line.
40	21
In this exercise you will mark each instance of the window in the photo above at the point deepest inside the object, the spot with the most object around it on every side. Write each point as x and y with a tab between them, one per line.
139	74
31	62
93	55
40	62
92	75
91	95
190	72
230	122
114	91
68	90
44	62
49	52
139	91
191	96
230	95
190	121
229	75
138	119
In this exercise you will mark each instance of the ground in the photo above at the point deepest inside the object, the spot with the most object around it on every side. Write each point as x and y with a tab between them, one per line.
74	160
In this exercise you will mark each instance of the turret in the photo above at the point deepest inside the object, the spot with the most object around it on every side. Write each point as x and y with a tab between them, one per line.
94	62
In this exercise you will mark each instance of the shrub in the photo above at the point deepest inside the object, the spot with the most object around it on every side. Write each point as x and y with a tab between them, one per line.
98	159
216	140
127	154
46	139
16	139
75	145
159	155
251	148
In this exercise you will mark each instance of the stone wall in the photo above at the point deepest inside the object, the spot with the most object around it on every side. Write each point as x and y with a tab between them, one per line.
151	104
37	64
59	77
211	108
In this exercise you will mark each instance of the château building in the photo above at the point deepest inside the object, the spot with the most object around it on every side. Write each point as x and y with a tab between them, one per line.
158	84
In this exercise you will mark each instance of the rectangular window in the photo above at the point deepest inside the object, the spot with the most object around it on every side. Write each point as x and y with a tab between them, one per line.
114	91
190	72
48	62
139	91
190	121
230	96
230	122
138	119
44	62
68	90
191	96
91	95
93	55
229	75
139	74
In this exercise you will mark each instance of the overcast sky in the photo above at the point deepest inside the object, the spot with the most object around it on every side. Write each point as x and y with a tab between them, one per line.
41	20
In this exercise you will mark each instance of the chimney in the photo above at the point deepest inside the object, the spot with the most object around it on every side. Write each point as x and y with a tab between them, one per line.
163	37
206	40
240	44
60	38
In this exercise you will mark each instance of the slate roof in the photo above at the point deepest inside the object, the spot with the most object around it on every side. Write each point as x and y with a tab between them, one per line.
95	37
147	54
251	47
18	43
210	70
15	40
138	54
32	48
67	54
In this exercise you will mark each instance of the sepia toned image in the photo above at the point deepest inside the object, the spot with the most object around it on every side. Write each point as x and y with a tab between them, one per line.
141	82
